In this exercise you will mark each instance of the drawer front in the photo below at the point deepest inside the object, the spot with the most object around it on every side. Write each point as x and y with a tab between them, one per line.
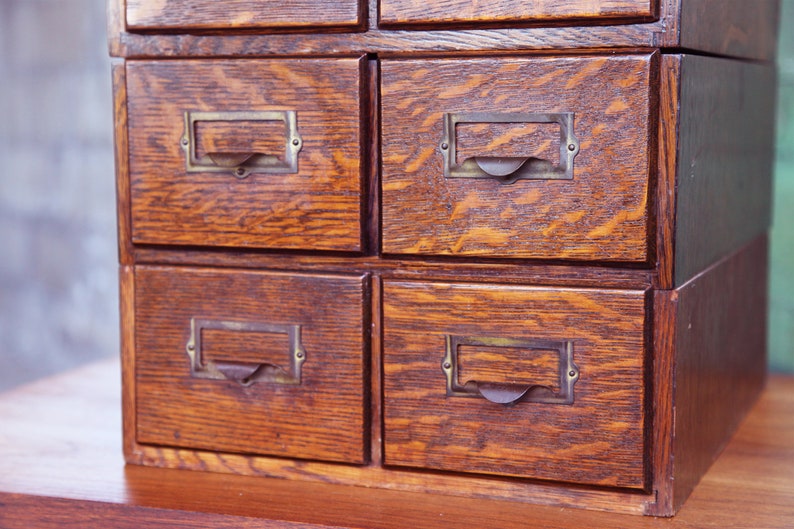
251	362
495	11
240	14
519	381
254	153
544	157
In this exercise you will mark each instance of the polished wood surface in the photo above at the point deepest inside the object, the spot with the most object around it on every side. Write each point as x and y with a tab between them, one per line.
600	214
317	207
61	465
425	428
323	416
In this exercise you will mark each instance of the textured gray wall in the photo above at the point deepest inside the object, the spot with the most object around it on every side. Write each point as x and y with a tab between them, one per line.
58	271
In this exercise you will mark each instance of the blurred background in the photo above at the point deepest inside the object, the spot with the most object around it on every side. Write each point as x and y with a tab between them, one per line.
58	258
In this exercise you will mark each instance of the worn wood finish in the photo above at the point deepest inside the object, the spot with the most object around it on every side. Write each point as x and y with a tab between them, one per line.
599	215
599	439
724	159
400	12
720	345
735	29
240	14
322	417
445	269
317	208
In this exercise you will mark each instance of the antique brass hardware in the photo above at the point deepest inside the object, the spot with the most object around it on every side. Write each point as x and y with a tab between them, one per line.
242	164
245	373
505	393
509	169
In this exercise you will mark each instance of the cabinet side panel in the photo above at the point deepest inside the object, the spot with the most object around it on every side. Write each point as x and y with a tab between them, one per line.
720	359
736	28
726	142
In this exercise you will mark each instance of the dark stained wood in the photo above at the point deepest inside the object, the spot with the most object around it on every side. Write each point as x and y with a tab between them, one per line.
60	466
425	428
401	12
322	417
370	153
665	192
317	208
599	215
735	27
720	359
660	387
240	14
724	159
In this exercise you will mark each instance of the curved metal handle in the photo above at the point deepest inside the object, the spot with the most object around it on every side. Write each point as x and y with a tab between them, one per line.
505	393
242	164
245	373
509	169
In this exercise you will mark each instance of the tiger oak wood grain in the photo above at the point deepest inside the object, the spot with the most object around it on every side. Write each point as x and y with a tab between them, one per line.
320	418
597	440
240	14
401	12
602	214
385	273
317	208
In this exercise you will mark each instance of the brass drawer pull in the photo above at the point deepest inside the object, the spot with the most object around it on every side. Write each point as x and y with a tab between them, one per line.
509	169
245	373
241	164
507	393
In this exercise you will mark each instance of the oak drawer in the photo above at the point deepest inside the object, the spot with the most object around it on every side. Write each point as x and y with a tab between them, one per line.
397	12
240	14
457	356
253	153
578	128
251	362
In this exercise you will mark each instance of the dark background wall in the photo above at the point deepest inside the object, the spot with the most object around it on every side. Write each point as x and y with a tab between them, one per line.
58	272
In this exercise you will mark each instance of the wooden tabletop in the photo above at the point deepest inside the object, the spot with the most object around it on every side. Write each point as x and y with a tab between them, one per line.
61	466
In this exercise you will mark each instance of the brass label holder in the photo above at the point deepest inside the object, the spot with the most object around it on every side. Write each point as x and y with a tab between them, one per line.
506	393
245	373
509	169
242	164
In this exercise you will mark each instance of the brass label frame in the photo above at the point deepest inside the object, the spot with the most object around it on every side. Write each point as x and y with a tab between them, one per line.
242	164
245	373
508	170
510	394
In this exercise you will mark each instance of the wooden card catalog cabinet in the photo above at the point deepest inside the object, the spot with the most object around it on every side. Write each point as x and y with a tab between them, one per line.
496	249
